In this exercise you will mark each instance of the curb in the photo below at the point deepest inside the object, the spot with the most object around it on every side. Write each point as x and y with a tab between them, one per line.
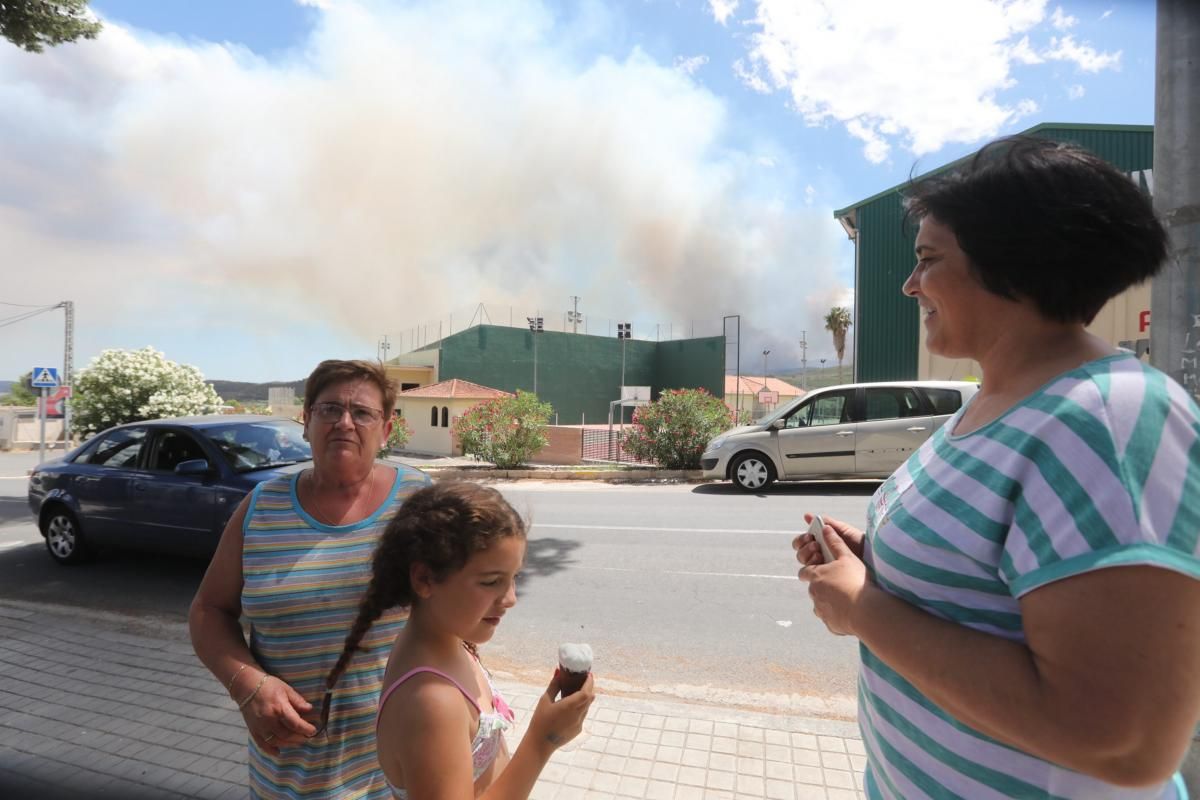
608	476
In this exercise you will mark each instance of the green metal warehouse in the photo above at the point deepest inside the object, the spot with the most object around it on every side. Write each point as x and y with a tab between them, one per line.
887	340
578	374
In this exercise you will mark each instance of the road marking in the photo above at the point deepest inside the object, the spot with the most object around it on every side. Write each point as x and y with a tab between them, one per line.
6	545
694	574
663	530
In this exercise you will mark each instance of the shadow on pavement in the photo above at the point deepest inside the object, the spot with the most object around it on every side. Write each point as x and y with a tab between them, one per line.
545	556
123	582
864	488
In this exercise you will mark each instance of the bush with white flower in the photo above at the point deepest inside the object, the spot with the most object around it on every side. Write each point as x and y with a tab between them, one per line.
131	385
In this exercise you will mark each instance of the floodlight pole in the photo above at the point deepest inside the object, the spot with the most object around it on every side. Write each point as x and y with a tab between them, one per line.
804	360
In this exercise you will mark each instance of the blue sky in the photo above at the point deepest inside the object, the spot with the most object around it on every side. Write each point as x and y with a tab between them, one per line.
253	187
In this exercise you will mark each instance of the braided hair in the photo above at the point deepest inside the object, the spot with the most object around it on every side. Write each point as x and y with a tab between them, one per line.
440	526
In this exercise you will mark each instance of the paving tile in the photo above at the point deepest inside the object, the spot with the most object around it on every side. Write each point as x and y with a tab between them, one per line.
780	790
835	761
751	784
691	776
641	750
724	744
833	744
660	771
720	780
132	717
660	790
839	779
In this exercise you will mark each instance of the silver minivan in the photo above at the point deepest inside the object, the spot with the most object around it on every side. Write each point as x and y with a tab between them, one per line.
861	430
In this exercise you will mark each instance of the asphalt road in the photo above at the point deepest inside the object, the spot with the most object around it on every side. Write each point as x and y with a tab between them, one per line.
684	591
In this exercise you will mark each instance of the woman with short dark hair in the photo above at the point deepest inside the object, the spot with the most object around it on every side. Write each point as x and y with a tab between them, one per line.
1027	592
294	560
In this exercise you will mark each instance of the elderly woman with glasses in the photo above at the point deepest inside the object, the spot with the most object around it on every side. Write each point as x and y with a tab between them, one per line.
294	560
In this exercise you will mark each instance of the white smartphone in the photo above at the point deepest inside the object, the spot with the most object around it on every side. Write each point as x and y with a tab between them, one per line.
818	532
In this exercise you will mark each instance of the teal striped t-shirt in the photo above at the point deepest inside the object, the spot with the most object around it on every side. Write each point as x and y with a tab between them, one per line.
1098	468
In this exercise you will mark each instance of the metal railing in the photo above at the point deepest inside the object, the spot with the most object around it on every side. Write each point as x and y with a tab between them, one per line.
607	446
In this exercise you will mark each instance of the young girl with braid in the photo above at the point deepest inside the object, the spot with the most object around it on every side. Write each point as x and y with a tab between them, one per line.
451	557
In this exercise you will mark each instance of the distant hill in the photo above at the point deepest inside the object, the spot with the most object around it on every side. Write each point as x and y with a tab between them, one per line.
818	377
6	386
244	392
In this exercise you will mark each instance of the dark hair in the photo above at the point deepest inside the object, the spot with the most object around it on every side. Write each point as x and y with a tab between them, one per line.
1046	221
440	526
333	371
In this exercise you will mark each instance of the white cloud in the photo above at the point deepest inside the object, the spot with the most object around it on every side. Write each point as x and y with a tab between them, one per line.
1022	52
765	161
402	163
1106	14
750	77
1076	91
1061	20
810	194
722	10
1084	56
690	65
922	73
918	75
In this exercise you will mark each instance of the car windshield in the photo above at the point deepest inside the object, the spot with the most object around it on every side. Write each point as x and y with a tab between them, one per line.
248	446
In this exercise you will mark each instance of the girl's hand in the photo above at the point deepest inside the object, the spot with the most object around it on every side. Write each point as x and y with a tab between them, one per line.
837	588
273	716
556	722
808	551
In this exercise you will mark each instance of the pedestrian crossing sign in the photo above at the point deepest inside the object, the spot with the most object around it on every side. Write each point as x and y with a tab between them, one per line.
44	378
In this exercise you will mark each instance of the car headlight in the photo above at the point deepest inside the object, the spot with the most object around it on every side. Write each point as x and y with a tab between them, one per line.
715	444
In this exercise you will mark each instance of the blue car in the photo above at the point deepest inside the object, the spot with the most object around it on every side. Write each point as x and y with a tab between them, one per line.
166	485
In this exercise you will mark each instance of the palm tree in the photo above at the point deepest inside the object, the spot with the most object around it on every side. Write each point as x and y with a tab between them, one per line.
837	322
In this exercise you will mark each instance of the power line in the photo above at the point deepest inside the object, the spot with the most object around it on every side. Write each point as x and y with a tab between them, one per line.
19	305
4	323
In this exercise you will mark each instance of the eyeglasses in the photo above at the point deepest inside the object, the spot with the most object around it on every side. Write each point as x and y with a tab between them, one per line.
331	413
326	702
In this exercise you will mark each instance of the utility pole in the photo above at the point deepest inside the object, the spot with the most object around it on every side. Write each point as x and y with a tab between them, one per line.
68	307
765	354
1175	293
383	348
804	360
573	316
738	368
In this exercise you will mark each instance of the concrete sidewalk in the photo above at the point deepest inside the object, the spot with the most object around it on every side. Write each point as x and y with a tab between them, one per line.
98	706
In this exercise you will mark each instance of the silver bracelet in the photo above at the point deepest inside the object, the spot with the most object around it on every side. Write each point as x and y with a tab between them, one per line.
229	686
250	696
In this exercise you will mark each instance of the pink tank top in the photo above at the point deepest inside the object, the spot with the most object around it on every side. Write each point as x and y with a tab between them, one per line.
486	744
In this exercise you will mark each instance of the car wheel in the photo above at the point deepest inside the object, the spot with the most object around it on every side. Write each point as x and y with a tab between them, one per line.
64	541
752	472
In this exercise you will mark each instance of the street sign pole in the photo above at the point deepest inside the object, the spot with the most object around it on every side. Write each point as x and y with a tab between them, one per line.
42	414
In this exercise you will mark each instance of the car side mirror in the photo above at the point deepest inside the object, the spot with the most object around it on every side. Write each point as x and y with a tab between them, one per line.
778	424
194	466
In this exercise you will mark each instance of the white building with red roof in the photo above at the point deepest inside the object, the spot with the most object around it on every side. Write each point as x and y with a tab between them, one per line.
430	412
758	395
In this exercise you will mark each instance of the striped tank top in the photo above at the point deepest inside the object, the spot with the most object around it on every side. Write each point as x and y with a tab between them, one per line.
302	583
1100	467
